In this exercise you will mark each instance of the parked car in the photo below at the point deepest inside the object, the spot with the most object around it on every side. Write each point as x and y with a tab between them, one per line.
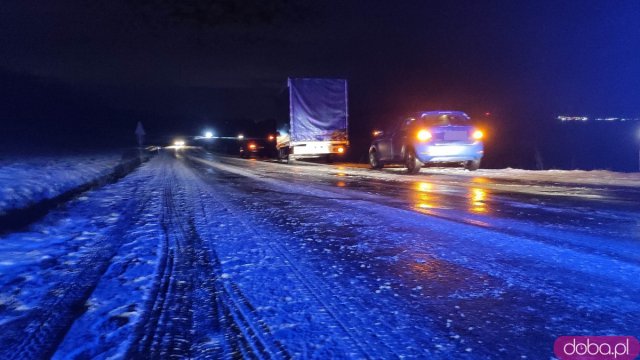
429	137
253	148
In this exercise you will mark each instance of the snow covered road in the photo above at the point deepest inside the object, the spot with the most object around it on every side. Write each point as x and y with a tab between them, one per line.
195	255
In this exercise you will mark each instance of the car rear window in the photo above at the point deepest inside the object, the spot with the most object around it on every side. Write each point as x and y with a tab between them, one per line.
445	119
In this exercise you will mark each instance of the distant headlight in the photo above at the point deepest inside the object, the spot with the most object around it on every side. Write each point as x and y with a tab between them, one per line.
477	135
178	143
424	135
252	146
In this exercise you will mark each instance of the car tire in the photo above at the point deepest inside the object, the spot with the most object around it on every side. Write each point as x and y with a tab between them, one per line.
411	162
472	165
374	160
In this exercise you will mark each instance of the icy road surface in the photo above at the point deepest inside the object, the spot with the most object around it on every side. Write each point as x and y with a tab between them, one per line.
199	256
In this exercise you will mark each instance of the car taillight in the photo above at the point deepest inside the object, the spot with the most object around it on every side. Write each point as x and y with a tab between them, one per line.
477	135
424	135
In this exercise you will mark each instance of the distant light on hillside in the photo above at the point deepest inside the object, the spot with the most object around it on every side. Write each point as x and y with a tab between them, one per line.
586	118
572	118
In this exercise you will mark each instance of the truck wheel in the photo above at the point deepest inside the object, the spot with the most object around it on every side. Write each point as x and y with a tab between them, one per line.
374	160
472	165
411	162
291	159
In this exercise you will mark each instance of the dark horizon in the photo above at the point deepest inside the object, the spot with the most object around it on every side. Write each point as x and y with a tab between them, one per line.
83	75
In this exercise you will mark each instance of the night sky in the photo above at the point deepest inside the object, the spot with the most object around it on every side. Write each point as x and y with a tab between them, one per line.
78	72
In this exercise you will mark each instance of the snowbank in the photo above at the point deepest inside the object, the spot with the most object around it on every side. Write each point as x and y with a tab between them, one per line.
28	180
543	177
593	177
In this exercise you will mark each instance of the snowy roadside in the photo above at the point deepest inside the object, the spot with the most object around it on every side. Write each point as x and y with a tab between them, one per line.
29	180
574	184
568	177
557	177
592	177
82	259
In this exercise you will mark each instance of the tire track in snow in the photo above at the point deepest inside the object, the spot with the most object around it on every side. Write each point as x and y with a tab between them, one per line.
190	313
335	308
38	334
248	336
164	330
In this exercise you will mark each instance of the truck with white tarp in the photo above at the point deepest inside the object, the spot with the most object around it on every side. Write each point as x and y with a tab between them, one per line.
318	119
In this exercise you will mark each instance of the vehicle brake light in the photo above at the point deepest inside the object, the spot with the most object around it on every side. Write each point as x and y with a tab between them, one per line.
477	135
424	135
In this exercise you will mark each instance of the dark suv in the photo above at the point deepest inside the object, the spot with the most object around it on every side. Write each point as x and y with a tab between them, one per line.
429	137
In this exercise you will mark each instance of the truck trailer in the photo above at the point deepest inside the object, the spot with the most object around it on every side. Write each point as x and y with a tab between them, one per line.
318	120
